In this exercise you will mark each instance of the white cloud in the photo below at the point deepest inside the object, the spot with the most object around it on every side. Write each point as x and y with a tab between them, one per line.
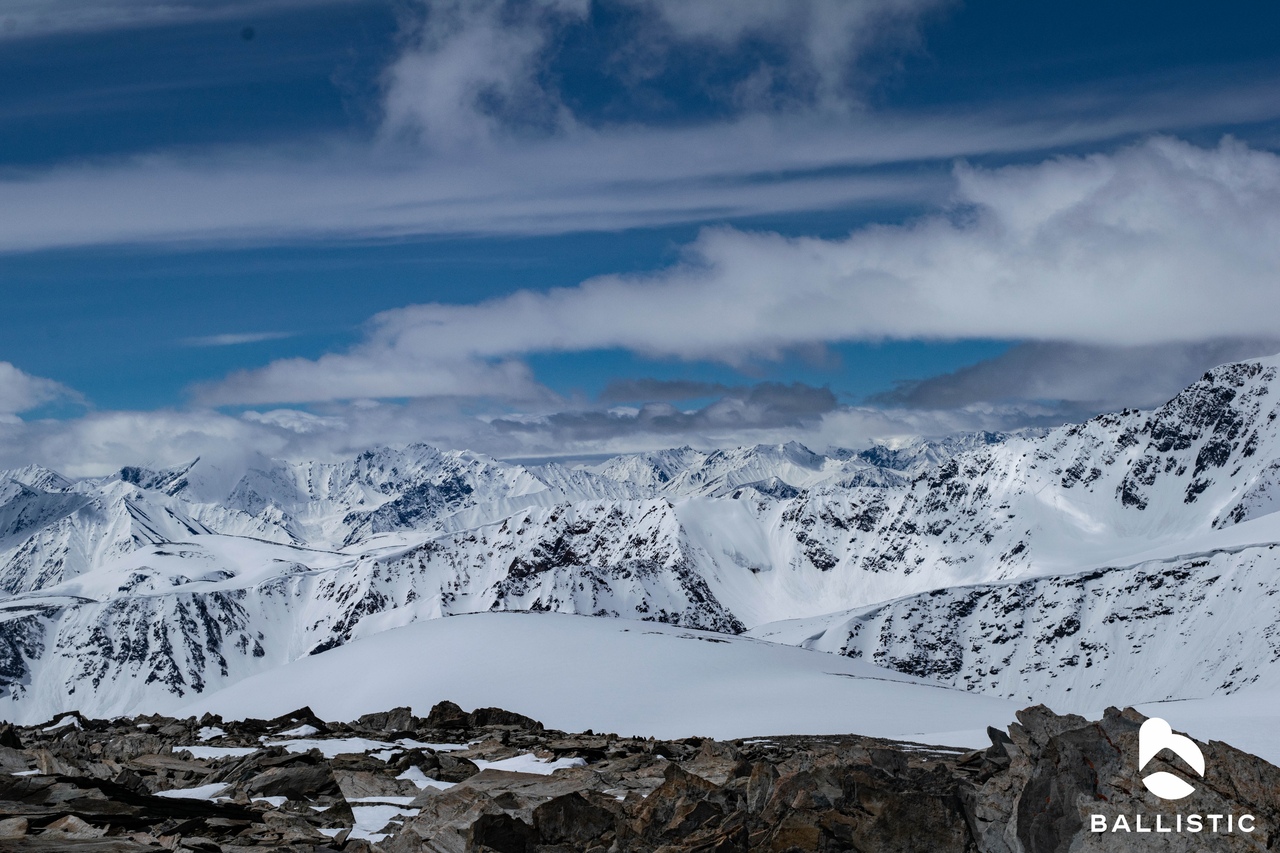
20	391
100	442
230	339
472	69
381	368
475	69
1160	242
823	38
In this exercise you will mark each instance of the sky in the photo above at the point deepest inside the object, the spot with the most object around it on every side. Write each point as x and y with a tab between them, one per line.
563	228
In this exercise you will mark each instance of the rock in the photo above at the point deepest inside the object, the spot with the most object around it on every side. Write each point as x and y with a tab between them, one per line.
296	783
760	785
501	833
1033	790
50	765
13	760
482	717
573	819
167	764
1064	769
675	803
35	844
447	715
41	799
454	768
304	716
395	721
362	783
72	827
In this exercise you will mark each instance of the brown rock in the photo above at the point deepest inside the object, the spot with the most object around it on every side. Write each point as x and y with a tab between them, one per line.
296	783
73	827
482	717
447	715
395	721
573	819
362	783
501	833
454	768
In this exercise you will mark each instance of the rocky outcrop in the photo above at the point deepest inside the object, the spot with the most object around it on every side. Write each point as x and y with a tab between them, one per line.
1049	785
492	781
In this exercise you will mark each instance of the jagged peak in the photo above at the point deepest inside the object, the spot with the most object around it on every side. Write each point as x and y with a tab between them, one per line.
37	477
171	481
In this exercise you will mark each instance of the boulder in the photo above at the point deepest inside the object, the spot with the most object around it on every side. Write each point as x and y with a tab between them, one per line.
306	781
501	833
576	819
447	715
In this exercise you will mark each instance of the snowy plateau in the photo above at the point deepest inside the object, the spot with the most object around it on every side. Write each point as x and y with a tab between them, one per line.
922	589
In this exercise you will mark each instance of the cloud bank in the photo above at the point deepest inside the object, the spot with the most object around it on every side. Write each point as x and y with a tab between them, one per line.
1163	242
100	442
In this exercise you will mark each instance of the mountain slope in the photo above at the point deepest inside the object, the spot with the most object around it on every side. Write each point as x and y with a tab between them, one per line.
1165	629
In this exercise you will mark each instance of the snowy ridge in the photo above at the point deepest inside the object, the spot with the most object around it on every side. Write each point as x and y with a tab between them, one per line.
988	562
1160	630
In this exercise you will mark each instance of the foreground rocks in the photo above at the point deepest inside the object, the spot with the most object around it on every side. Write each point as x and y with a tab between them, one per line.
497	782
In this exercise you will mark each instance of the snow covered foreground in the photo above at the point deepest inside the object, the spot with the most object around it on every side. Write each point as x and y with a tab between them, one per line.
632	678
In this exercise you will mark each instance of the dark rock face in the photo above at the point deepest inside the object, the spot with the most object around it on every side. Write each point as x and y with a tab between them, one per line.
574	819
396	783
295	783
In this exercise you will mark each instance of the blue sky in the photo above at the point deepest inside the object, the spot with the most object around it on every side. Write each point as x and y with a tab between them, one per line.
305	226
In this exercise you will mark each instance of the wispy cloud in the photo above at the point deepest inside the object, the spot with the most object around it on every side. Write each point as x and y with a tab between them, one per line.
477	140
475	69
24	19
235	339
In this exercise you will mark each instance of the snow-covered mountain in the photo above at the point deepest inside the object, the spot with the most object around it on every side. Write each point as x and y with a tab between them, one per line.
1081	565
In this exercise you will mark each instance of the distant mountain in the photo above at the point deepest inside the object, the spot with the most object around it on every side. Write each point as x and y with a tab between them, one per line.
1052	565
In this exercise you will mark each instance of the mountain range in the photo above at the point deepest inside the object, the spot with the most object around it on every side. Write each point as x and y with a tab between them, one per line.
1130	558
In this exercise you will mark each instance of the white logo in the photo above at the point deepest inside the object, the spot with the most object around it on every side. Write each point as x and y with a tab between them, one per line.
1156	735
